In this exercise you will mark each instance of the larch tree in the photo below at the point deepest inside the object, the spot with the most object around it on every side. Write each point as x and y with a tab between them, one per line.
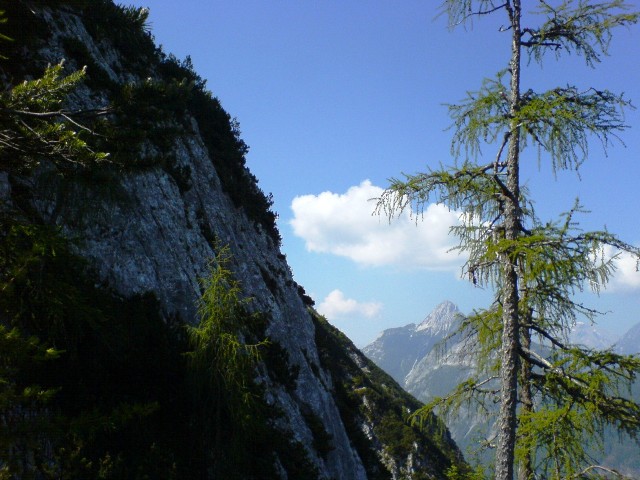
35	128
223	366
554	397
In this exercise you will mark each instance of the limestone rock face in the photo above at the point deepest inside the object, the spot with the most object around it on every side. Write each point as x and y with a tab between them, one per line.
154	231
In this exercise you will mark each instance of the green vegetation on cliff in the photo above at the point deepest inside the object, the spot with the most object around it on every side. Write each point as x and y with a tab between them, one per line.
97	385
143	116
93	385
367	395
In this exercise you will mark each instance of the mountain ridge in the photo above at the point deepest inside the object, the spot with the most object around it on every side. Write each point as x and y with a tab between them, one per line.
438	371
397	350
630	341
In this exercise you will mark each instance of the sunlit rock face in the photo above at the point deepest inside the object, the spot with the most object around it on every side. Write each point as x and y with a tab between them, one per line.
154	229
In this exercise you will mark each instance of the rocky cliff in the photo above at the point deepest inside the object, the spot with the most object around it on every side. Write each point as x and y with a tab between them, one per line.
149	221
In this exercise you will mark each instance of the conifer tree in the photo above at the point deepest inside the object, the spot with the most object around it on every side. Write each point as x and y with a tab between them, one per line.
223	364
36	124
35	127
566	393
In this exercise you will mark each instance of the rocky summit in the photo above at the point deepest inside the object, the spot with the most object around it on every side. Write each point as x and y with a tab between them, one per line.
398	350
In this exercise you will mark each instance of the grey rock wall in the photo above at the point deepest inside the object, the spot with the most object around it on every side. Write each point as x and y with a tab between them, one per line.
146	234
148	230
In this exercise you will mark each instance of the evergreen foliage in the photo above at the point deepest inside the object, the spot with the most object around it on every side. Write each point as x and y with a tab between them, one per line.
96	386
218	347
3	38
35	126
22	431
224	366
126	27
88	378
555	398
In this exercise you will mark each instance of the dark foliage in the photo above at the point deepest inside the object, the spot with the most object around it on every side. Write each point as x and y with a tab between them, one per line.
276	359
26	32
118	397
97	78
322	440
227	150
306	299
115	380
126	28
389	411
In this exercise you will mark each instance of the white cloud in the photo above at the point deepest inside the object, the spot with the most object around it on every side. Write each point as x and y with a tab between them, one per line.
336	305
344	225
626	277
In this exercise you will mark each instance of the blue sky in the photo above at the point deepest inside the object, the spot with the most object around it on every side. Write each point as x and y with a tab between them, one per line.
335	97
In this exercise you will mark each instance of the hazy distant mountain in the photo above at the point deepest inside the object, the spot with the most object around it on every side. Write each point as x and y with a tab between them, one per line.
412	355
398	350
630	341
408	355
592	336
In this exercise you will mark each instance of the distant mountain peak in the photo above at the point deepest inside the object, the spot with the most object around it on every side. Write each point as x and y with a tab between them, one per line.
591	335
441	319
630	341
396	350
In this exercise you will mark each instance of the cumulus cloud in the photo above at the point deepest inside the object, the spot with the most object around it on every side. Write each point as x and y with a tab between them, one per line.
626	276
336	305
343	224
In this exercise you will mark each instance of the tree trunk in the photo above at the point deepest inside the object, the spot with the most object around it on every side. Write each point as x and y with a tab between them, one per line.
510	334
509	378
525	466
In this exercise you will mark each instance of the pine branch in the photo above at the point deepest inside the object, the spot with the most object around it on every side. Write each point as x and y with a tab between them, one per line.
477	13
585	29
66	114
601	468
